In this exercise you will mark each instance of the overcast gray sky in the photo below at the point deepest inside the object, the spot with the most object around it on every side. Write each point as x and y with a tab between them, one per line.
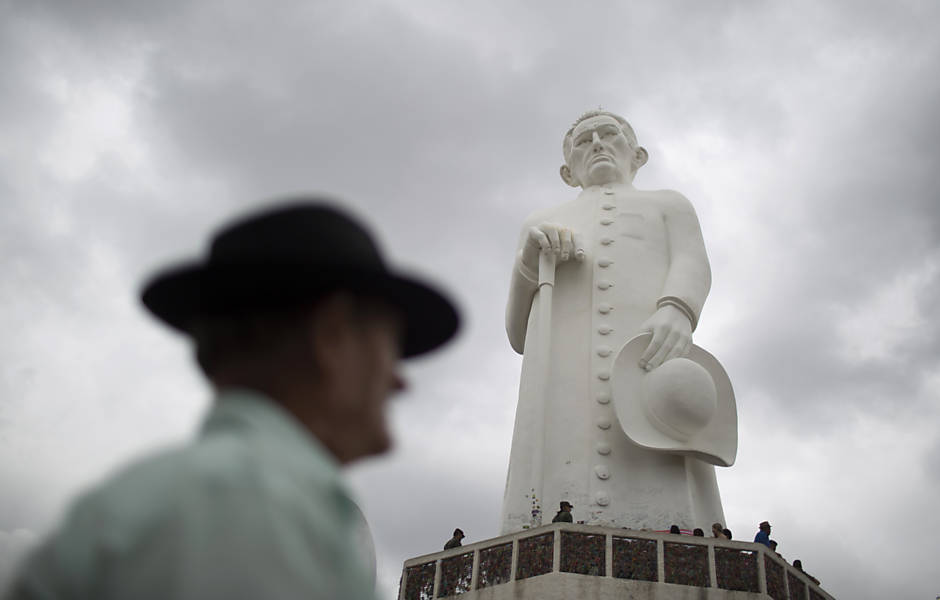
805	133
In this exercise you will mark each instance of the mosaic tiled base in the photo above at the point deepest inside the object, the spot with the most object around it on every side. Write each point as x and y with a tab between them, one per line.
775	582
797	588
583	553
634	559
456	573
686	564
737	570
420	582
535	555
495	565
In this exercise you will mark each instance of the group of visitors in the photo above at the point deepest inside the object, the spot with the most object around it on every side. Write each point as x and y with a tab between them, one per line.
762	537
718	531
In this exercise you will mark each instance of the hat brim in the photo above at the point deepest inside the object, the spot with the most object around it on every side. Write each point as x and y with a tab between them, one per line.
716	443
182	294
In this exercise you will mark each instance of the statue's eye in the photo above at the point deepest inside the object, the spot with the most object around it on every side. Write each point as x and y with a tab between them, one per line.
583	141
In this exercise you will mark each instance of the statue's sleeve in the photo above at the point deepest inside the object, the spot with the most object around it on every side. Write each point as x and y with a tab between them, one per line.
689	277
522	288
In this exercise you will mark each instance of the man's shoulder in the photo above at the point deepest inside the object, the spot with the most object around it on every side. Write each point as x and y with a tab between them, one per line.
670	200
206	458
226	471
542	215
219	495
163	484
150	496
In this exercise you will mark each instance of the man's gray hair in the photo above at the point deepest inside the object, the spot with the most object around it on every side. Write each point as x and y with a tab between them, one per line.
624	126
259	336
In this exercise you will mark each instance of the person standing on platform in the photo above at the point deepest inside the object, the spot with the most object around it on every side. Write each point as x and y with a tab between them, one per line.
455	542
564	513
718	531
763	534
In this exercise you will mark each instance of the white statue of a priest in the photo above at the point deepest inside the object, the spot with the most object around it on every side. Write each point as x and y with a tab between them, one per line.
626	431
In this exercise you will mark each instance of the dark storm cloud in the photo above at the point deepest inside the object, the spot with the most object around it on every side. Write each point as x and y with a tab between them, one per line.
415	141
868	194
932	464
93	19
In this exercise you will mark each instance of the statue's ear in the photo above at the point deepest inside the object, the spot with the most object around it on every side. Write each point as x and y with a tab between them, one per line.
568	177
640	157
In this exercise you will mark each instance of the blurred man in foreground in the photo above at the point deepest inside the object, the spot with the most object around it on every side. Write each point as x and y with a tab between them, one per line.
299	326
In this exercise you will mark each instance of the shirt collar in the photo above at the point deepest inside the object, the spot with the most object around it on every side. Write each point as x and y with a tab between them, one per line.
254	414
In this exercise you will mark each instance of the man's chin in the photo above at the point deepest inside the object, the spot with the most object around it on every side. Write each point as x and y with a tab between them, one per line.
374	446
384	446
380	445
603	172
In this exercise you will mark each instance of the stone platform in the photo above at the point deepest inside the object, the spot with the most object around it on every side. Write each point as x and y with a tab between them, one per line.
566	561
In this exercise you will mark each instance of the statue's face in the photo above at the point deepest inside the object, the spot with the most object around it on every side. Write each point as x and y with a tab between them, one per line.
600	152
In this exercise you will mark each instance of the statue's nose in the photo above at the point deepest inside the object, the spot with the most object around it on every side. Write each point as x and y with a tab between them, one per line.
596	140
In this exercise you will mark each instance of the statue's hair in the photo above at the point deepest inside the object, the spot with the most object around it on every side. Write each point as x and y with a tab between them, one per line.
627	129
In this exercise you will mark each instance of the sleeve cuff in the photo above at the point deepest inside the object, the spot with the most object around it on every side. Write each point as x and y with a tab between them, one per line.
528	274
681	305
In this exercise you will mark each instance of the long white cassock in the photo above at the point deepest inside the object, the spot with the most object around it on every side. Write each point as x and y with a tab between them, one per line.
640	246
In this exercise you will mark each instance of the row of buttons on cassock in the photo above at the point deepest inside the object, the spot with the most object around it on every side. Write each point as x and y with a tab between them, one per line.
601	497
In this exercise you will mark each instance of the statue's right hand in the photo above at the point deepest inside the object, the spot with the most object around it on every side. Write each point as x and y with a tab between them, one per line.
551	237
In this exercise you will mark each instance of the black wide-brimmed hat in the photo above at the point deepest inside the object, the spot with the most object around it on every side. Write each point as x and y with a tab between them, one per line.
290	254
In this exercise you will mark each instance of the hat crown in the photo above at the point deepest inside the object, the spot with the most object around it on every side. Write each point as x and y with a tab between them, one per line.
680	397
300	233
655	412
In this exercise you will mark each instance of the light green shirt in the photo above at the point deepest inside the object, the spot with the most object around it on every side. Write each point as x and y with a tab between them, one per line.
254	507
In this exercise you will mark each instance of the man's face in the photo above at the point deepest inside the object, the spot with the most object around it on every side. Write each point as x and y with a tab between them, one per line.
600	152
366	374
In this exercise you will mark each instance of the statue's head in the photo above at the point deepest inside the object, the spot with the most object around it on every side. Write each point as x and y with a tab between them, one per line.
601	148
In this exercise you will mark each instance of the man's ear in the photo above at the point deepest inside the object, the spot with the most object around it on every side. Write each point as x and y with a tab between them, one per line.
568	178
640	157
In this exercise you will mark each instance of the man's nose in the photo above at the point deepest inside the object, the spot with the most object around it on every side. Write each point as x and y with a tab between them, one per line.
596	140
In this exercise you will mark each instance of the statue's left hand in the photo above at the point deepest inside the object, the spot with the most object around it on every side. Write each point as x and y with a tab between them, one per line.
672	337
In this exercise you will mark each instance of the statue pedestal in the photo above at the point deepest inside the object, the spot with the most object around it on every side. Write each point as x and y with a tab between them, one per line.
566	561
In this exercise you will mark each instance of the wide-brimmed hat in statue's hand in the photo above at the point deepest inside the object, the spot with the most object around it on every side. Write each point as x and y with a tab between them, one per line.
686	405
289	254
